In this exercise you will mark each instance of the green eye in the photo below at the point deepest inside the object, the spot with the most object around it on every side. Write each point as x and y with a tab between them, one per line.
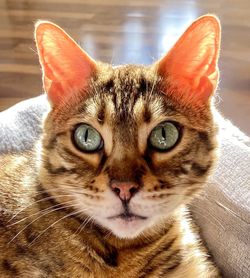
87	138
164	136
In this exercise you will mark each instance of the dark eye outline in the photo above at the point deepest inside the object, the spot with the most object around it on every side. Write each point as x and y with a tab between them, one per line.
180	133
100	147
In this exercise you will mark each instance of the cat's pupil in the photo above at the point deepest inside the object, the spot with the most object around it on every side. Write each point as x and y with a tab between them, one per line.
86	135
163	132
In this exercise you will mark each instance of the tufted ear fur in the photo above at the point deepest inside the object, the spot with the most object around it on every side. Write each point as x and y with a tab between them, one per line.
66	67
190	69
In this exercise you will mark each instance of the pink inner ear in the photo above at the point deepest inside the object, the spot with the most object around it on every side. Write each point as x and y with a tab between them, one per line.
66	67
191	65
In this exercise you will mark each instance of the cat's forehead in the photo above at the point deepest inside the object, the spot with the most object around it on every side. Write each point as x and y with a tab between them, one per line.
138	76
123	98
127	93
128	81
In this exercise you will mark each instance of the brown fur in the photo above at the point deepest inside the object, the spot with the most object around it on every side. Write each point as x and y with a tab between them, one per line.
40	233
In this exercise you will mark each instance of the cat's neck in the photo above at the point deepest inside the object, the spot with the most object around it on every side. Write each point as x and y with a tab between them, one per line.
146	238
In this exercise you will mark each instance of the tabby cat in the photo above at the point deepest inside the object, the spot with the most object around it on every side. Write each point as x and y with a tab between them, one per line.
123	151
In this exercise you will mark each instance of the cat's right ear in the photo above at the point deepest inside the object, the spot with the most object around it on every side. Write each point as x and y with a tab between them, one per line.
190	69
66	67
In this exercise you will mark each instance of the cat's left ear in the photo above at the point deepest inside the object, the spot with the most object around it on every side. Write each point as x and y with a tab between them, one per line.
66	67
190	68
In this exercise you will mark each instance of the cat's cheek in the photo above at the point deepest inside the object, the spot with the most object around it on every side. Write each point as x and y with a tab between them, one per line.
155	208
106	206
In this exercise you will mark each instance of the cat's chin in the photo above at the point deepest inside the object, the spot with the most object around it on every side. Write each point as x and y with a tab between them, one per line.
126	228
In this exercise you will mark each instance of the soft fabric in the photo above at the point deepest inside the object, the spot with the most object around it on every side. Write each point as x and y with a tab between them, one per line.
222	211
20	125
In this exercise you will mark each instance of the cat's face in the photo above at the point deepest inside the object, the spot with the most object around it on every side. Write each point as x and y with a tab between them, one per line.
128	147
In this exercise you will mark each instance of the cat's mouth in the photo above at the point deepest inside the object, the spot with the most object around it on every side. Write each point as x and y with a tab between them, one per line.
127	217
124	223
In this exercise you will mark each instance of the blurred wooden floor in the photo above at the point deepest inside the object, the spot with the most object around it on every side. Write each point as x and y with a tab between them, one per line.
118	31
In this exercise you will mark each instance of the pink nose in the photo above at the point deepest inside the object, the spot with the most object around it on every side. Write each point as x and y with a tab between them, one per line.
124	190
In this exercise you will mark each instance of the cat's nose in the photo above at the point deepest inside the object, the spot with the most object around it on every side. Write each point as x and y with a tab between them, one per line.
124	190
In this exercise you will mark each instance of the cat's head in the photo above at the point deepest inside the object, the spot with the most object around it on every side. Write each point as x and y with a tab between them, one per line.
126	146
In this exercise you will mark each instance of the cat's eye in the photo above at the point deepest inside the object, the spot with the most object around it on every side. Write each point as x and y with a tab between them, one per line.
164	136
87	139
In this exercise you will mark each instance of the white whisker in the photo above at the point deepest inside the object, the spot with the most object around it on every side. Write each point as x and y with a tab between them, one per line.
37	219
36	202
84	224
40	211
54	223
